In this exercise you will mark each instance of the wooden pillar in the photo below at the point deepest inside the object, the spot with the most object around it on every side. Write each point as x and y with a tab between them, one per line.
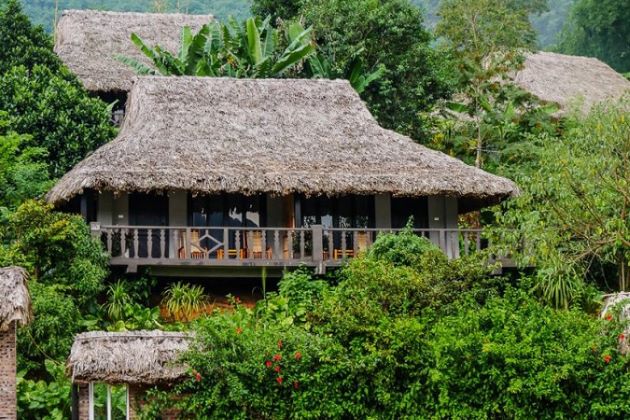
8	399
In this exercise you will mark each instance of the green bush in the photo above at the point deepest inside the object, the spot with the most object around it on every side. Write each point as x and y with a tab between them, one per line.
406	249
392	341
43	98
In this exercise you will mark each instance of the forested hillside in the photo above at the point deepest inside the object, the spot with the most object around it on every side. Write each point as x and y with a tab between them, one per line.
43	11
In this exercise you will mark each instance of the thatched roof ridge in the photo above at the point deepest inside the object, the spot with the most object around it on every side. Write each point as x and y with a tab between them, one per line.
563	79
88	42
133	357
286	136
15	301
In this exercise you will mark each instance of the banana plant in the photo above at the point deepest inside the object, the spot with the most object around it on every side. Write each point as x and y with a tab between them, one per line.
252	49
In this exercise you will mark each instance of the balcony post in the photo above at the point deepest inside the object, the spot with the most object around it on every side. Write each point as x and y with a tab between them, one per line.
318	246
95	230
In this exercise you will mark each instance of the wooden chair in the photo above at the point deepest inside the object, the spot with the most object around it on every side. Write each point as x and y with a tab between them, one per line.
363	243
197	252
256	247
232	253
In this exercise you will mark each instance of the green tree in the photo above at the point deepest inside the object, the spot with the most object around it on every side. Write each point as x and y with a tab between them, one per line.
487	39
23	174
574	214
384	39
67	268
391	34
598	28
278	9
43	99
22	43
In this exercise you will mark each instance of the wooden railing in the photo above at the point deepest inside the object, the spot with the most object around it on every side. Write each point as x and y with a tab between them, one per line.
315	245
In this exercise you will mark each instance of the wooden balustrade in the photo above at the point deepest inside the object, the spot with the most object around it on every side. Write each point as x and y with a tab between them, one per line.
245	246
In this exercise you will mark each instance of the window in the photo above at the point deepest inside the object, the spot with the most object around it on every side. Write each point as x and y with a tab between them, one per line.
227	210
338	212
405	207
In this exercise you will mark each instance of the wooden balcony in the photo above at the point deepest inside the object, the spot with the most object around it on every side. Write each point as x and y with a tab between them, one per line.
316	246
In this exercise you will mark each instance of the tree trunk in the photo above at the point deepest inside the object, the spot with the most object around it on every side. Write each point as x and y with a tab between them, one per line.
624	272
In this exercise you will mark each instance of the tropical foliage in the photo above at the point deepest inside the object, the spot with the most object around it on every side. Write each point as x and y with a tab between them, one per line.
43	99
575	207
399	341
252	49
598	28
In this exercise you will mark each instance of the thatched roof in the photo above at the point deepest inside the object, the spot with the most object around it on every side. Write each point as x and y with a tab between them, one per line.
134	357
267	136
563	79
15	301
88	41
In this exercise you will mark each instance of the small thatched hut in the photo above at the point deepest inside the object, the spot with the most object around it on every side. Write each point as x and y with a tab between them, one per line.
15	308
137	359
89	41
565	79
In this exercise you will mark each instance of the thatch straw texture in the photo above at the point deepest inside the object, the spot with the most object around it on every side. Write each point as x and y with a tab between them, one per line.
565	79
315	137
88	41
134	357
15	301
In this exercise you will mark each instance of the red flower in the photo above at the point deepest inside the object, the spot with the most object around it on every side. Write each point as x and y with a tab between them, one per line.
296	384
277	357
237	299
277	368
268	363
279	344
197	377
239	330
622	337
609	317
607	358
298	355
279	380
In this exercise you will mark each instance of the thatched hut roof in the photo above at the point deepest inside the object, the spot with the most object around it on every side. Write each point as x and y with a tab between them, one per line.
89	41
134	357
563	79
316	137
15	301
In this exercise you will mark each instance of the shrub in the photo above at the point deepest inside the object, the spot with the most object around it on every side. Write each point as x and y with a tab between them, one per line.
184	301
406	249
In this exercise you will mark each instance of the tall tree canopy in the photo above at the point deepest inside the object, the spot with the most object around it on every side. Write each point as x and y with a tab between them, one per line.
387	33
599	28
43	99
574	214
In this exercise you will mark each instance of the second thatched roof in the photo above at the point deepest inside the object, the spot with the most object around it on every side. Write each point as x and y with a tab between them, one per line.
88	42
134	357
564	79
316	137
15	301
